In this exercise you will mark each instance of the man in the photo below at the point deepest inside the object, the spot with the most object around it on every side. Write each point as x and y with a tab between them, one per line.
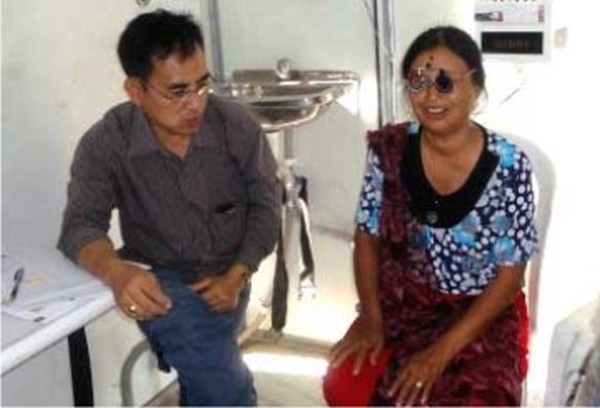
194	182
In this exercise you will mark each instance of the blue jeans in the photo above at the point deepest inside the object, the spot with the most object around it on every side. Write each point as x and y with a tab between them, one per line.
201	345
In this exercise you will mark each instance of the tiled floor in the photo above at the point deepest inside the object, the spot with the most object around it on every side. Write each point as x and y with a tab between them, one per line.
287	371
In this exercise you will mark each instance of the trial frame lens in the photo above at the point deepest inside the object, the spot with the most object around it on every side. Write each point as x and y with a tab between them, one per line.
443	82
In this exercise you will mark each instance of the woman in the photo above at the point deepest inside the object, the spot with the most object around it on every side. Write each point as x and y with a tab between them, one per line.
444	233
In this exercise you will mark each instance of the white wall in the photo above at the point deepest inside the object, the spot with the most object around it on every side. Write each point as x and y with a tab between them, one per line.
330	152
556	109
332	34
60	73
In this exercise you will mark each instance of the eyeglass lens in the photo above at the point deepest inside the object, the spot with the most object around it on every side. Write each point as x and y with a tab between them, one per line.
419	80
199	89
182	95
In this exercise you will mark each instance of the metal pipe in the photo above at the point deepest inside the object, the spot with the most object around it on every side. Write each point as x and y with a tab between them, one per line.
216	44
127	369
387	69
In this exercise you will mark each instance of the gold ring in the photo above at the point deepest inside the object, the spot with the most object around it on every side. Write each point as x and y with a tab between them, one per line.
418	384
132	308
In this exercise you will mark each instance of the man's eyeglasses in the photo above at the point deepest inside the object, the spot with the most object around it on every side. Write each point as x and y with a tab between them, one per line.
181	95
444	82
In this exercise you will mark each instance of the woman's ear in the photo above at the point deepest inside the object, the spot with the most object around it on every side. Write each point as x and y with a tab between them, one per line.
134	89
480	102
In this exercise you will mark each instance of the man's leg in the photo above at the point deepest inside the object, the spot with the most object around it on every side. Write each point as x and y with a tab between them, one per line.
201	345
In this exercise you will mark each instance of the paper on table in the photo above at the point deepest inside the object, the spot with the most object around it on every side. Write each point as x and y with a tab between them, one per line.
50	275
52	284
46	311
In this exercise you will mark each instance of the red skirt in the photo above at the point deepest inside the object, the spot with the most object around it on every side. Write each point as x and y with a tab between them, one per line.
487	372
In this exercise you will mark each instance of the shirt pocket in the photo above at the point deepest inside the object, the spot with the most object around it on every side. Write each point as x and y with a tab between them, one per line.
227	228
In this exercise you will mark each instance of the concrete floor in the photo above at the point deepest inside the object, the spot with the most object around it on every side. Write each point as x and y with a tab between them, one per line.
287	371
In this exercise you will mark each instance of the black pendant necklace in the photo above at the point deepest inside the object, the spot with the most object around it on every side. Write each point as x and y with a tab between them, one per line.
432	213
431	217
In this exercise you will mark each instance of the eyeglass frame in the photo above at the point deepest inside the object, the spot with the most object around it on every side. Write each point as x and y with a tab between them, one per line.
203	86
442	73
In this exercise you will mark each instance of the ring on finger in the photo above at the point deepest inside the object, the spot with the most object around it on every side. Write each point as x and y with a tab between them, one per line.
132	309
419	384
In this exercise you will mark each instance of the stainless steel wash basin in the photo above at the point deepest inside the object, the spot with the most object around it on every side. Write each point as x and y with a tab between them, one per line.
283	101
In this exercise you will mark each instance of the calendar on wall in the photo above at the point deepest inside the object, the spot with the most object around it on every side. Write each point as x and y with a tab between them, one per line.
514	29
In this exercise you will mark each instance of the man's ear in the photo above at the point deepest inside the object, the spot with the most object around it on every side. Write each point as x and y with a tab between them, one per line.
134	89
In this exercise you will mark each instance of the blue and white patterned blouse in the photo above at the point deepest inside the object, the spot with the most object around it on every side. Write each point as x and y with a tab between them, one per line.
499	230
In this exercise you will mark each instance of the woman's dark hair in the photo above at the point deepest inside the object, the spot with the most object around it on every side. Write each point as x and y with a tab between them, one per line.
157	34
456	40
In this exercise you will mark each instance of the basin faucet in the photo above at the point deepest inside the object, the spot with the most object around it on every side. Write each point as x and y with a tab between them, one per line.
283	68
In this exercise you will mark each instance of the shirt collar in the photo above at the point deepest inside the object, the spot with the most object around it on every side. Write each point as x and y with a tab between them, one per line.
210	129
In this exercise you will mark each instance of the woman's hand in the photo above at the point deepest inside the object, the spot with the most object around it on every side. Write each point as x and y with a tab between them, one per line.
364	339
416	378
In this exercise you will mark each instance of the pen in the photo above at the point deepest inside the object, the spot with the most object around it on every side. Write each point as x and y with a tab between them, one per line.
18	278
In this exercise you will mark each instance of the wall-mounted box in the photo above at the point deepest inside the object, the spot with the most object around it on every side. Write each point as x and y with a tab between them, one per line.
514	30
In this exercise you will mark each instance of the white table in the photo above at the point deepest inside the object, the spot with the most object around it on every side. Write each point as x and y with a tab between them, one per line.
23	339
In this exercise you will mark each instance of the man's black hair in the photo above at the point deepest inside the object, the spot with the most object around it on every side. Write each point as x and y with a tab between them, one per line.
157	34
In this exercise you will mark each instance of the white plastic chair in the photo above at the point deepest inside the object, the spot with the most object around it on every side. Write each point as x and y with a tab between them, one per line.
544	181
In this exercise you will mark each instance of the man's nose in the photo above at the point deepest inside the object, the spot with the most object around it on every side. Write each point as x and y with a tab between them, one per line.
193	100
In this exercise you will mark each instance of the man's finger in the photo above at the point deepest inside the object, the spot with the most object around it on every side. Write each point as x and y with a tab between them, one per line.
147	302
201	285
157	296
134	310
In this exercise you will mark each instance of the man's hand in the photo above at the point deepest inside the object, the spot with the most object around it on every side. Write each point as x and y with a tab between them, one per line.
138	292
222	292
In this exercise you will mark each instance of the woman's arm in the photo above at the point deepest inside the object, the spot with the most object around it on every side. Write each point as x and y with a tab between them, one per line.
492	301
365	337
425	366
366	264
